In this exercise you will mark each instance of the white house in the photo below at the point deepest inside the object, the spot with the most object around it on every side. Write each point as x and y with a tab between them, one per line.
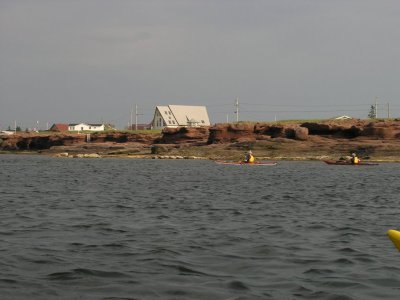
85	127
7	132
180	116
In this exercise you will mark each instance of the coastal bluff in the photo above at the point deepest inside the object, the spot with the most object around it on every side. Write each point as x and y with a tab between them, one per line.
306	140
222	133
46	141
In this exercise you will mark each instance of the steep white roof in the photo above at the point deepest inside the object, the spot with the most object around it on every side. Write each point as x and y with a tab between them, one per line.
163	109
187	113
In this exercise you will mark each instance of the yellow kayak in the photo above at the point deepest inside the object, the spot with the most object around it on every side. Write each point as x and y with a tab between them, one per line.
394	235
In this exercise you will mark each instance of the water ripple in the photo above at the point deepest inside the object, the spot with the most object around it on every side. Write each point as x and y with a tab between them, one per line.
152	229
81	272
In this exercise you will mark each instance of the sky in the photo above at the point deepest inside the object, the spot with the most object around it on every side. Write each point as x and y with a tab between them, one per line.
92	61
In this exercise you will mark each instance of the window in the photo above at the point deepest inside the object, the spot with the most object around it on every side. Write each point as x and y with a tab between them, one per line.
166	112
173	121
202	121
169	112
169	122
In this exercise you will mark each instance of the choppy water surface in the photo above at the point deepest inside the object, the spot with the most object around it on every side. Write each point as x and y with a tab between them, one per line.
157	229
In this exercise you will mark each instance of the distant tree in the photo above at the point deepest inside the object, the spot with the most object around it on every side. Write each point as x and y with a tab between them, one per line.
26	130
9	128
18	128
372	112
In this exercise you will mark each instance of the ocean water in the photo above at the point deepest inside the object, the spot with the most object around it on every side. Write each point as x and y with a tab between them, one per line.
186	229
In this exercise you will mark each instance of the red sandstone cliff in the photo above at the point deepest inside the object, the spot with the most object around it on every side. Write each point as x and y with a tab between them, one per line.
271	138
230	133
183	135
26	141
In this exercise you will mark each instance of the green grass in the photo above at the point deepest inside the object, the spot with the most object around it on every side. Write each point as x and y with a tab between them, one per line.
152	131
285	122
278	122
300	121
46	132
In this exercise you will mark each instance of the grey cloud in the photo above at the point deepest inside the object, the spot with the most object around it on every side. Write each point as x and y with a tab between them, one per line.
78	60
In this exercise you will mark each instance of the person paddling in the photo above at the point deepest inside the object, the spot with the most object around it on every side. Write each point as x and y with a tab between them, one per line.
354	159
249	158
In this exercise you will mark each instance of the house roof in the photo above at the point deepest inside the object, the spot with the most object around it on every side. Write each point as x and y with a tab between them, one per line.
59	126
185	114
75	124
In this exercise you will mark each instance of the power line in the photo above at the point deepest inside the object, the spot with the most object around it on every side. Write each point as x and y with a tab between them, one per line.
296	111
303	105
293	105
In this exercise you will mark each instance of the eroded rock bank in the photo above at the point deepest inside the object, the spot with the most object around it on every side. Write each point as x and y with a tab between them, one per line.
44	141
80	145
309	140
222	133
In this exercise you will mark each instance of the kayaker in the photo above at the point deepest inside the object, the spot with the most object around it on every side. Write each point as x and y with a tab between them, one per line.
354	159
249	157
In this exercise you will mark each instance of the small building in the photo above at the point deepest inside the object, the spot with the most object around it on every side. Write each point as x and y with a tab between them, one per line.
139	127
7	132
86	127
343	118
59	127
180	116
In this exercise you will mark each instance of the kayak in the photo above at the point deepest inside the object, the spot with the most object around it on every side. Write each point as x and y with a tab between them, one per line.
239	163
394	236
346	163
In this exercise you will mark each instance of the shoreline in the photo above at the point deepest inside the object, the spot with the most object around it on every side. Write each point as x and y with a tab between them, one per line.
176	156
377	141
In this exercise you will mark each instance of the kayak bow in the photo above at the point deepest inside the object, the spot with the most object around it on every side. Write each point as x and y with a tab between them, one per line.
394	236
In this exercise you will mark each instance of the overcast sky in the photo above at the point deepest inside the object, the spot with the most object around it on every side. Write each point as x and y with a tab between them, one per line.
93	60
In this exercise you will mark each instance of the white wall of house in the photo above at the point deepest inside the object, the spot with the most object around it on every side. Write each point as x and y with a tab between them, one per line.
163	117
158	121
85	127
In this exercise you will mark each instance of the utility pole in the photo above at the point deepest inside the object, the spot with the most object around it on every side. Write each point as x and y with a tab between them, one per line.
131	122
237	110
376	107
227	118
136	115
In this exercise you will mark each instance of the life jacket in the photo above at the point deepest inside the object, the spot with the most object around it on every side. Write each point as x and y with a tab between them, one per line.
250	159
